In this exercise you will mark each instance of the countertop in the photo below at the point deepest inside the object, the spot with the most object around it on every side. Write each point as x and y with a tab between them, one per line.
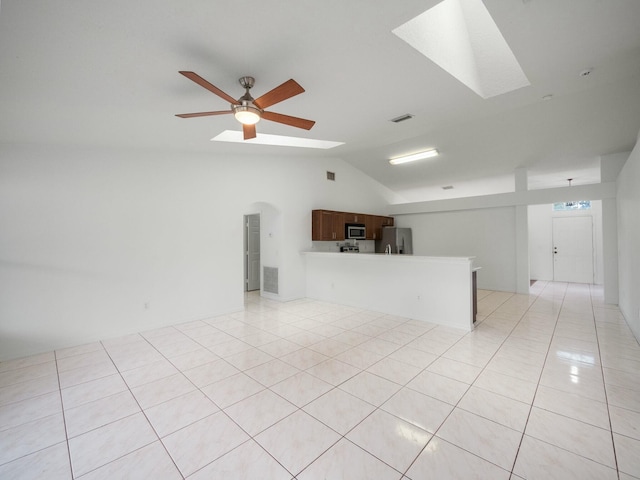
387	257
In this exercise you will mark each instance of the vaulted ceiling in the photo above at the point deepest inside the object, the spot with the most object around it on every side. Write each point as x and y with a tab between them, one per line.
106	73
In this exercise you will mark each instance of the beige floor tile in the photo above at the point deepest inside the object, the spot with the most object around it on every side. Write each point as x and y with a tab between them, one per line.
32	388
339	410
441	460
436	386
110	442
297	441
345	460
301	388
577	437
627	454
304	358
258	412
272	372
204	441
27	361
232	389
370	388
30	409
246	462
503	410
98	413
392	440
487	439
333	371
51	463
625	422
162	390
151	461
573	406
179	412
93	390
30	437
538	460
420	410
460	371
149	373
394	370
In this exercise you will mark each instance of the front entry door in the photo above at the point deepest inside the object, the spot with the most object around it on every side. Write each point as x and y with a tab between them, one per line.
573	249
252	252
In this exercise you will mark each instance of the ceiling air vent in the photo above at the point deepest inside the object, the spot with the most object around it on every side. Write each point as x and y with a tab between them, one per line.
402	118
448	187
331	176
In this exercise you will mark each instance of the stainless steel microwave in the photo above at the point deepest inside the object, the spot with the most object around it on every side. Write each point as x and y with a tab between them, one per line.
355	231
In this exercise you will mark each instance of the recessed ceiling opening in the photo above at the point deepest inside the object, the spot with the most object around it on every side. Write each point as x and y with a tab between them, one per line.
461	37
280	140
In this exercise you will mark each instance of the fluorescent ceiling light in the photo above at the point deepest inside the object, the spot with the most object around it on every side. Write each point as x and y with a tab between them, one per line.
461	37
280	140
413	157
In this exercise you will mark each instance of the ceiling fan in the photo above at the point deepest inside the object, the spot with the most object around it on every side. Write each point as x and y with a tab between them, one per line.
247	110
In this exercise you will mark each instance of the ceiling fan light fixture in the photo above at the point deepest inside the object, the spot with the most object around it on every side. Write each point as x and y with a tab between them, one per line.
413	157
246	114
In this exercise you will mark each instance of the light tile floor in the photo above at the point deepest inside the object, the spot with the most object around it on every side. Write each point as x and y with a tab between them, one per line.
546	387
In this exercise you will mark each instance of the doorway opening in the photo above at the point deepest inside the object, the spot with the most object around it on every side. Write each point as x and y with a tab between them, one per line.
577	238
252	252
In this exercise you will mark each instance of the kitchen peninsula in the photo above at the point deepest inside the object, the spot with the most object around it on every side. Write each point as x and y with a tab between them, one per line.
433	289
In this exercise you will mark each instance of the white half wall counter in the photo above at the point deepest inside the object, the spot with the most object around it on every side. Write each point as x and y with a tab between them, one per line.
432	289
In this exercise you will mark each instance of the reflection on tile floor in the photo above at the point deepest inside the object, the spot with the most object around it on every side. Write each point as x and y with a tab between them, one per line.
547	386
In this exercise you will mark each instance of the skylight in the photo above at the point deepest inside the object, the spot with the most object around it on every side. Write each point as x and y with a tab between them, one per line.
280	140
461	37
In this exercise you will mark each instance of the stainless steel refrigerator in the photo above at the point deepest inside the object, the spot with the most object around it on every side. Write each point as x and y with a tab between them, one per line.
397	239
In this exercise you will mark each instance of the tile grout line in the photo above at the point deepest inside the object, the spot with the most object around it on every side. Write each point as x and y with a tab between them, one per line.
220	410
604	385
64	418
524	428
143	413
467	390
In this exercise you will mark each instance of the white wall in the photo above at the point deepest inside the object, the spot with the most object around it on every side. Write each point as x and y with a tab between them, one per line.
487	234
430	289
628	203
89	236
541	239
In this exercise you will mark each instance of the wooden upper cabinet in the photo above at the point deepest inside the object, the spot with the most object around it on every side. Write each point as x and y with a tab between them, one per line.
387	221
350	217
374	225
327	225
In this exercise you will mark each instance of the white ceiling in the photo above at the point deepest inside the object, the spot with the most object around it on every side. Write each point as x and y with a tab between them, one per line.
106	73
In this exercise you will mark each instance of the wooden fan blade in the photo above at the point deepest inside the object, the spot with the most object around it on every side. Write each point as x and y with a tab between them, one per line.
288	89
249	131
287	120
202	114
212	88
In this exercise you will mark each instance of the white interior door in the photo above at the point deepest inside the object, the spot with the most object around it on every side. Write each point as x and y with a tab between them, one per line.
573	249
252	252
